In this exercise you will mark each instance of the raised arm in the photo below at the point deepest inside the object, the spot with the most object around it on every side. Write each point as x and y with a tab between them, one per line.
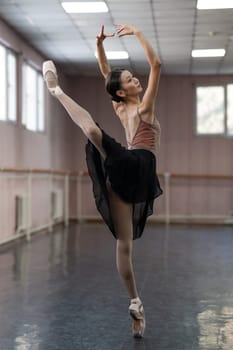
153	60
102	59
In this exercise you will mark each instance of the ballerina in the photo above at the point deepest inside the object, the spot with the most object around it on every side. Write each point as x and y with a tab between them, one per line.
125	183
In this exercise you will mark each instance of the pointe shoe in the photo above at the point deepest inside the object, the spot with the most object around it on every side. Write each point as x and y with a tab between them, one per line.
138	328
50	77
136	311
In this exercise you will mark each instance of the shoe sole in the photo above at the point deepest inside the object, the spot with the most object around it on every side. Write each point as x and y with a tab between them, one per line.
49	66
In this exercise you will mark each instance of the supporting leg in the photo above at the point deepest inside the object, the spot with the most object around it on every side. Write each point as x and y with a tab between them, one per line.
122	218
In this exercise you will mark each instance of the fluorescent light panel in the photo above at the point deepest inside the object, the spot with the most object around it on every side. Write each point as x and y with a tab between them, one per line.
115	55
214	4
209	53
85	7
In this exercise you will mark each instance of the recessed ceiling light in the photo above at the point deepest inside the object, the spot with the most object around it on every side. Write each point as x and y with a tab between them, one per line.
115	55
214	4
85	7
209	53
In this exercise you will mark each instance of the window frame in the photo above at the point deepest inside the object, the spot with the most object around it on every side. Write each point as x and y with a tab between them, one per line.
212	84
40	98
10	52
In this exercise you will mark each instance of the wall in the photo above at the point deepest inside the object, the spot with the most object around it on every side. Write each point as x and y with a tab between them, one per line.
21	147
181	150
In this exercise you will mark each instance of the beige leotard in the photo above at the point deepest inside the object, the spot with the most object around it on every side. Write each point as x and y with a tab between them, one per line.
147	135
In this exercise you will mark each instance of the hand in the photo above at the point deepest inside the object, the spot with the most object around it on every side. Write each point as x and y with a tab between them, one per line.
124	29
101	36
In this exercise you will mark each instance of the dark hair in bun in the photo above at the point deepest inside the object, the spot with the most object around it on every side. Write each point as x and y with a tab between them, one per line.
113	83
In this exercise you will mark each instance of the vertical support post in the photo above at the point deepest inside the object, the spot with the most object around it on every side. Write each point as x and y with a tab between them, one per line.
167	177
29	207
3	199
50	202
66	200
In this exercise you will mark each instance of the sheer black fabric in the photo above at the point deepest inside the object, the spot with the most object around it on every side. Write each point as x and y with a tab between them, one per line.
132	175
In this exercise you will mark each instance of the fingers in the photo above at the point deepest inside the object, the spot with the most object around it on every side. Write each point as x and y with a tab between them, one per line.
124	29
108	35
119	28
103	35
102	30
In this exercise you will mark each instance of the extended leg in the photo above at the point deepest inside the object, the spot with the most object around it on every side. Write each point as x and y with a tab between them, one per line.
79	115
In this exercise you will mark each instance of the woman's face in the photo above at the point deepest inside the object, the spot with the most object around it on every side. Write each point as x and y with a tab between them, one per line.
130	84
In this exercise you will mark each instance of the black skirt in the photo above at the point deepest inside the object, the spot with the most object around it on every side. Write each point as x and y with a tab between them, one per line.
132	175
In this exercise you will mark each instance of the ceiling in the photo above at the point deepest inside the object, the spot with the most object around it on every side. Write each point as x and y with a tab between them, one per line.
174	27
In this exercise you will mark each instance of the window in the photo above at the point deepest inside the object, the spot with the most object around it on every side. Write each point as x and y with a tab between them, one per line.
33	99
230	109
214	110
8	99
